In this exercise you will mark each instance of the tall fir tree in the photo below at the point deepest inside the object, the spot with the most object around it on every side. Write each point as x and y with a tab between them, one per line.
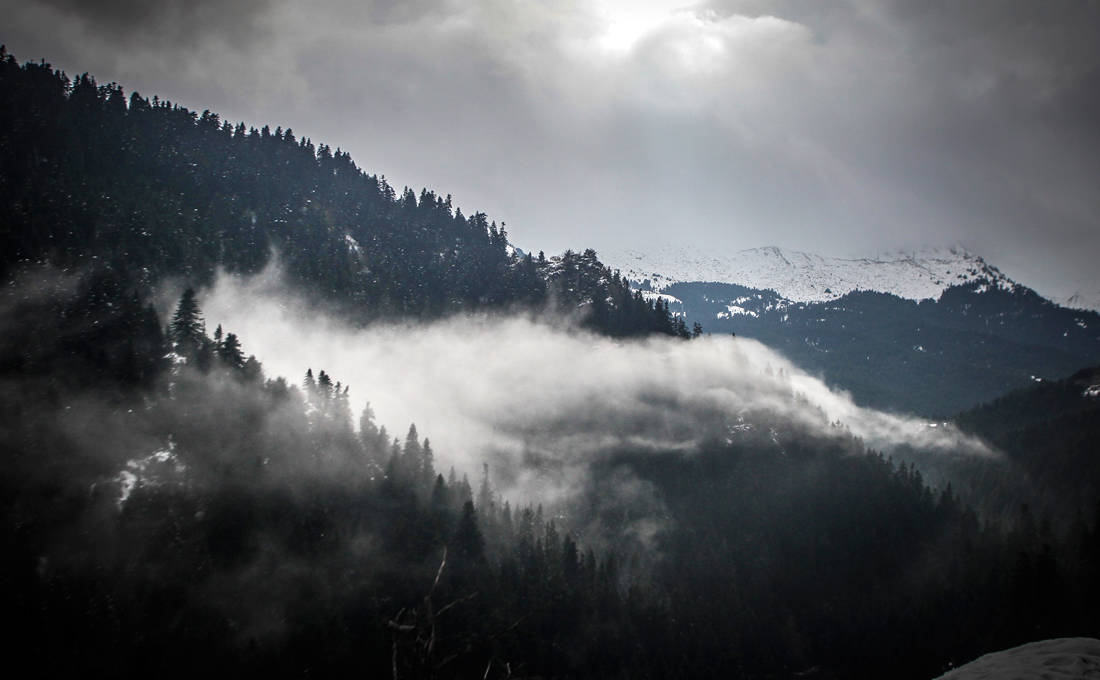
187	329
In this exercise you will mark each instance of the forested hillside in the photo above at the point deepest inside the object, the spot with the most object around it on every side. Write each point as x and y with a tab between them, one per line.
170	507
92	177
935	357
1050	433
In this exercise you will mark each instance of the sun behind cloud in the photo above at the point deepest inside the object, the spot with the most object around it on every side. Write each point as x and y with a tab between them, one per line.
626	23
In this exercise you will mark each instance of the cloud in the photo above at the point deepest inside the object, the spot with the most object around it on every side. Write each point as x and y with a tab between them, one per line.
841	126
180	22
542	403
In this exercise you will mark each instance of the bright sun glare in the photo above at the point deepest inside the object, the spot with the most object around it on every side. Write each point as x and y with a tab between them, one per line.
627	21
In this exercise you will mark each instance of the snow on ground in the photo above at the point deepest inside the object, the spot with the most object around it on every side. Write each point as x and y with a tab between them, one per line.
805	277
736	310
650	296
675	304
151	470
1061	659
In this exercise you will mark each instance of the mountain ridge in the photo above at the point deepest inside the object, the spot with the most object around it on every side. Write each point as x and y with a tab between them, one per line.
930	331
800	276
1083	301
152	189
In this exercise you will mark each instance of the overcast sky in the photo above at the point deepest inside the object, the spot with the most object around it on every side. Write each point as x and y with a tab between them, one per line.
843	127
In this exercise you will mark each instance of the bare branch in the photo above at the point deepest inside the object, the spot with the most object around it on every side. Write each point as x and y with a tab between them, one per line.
456	602
439	573
393	659
510	628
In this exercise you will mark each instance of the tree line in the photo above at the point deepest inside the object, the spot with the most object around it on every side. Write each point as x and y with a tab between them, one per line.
91	176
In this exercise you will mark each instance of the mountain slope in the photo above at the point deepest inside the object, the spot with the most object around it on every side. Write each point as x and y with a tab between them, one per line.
162	529
90	177
1049	431
933	333
933	357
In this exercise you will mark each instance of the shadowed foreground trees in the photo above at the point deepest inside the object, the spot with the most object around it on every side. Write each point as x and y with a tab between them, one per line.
208	515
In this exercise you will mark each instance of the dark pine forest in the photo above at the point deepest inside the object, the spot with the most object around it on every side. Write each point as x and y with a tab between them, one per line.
92	178
169	508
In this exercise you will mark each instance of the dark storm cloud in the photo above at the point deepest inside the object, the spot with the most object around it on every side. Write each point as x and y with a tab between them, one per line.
987	112
842	126
179	21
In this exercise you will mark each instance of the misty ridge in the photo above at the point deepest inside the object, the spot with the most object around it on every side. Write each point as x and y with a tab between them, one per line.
539	399
623	476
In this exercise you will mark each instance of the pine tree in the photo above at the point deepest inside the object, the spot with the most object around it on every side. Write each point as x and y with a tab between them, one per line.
341	409
439	502
187	329
372	438
485	491
394	467
324	385
439	506
229	351
252	369
412	461
468	542
463	492
427	464
570	560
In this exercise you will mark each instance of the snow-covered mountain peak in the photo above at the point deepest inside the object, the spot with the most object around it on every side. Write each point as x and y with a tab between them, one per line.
1083	300
808	277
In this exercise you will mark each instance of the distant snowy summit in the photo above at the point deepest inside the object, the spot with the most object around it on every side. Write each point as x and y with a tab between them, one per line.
806	277
1084	301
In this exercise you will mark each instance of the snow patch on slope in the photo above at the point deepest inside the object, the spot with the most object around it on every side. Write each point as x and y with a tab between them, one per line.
650	296
1049	659
156	469
675	304
806	277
